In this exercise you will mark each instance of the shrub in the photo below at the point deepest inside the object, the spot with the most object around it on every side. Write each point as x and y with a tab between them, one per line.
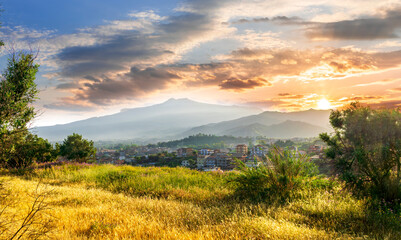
76	148
278	178
366	148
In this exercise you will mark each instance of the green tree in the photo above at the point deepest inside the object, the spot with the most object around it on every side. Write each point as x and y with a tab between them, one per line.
366	148
74	147
17	93
31	149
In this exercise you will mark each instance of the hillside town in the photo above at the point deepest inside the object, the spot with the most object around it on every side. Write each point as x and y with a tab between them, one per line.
203	159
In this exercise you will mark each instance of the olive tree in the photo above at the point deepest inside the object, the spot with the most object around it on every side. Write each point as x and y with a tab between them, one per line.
366	148
74	147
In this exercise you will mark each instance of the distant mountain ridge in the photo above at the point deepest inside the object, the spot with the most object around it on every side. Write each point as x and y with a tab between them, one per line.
157	121
286	129
292	124
177	118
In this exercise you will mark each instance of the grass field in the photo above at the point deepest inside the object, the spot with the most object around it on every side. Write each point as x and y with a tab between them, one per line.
110	202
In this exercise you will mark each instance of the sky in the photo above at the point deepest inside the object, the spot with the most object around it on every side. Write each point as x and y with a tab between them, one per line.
98	57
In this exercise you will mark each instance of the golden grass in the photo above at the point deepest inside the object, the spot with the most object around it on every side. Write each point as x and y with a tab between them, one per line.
103	202
81	213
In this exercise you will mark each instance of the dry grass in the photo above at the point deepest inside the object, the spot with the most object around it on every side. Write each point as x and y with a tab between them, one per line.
89	210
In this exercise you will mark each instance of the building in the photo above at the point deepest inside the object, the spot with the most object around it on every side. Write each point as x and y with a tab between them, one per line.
122	156
241	148
201	161
239	156
315	149
220	160
185	163
205	151
185	152
259	150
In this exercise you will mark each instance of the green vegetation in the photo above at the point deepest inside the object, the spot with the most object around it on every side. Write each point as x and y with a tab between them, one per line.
170	203
17	93
204	141
366	147
277	179
74	147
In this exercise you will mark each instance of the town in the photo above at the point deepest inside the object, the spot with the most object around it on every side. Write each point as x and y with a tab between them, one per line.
204	159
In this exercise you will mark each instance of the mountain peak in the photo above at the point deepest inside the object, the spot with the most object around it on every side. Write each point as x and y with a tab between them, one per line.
179	100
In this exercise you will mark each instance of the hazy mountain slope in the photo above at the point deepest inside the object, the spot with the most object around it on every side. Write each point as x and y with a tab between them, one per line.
286	129
319	118
156	121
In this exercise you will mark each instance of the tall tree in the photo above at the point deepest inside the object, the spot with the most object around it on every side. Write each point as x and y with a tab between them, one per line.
17	93
366	147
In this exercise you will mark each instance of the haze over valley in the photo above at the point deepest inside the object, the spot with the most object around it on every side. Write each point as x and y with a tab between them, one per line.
177	118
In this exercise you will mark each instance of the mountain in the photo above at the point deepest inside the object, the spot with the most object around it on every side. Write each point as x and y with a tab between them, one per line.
157	121
286	129
270	124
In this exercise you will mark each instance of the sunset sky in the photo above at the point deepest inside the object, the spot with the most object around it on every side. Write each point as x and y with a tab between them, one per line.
98	57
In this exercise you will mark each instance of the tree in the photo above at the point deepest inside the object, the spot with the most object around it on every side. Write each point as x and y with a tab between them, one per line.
366	148
77	148
17	93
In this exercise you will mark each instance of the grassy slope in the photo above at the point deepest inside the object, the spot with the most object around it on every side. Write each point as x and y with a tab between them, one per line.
108	202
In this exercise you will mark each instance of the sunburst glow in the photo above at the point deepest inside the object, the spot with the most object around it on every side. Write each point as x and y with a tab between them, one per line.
323	104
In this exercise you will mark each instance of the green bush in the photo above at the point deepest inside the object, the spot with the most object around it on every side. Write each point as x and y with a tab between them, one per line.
366	148
276	179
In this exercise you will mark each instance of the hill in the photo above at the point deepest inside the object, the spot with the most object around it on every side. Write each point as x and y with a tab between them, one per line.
292	124
158	121
286	129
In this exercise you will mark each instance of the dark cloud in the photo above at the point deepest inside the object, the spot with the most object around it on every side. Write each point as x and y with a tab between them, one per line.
67	86
241	70
376	27
123	48
361	98
283	20
385	104
290	96
92	78
239	85
131	85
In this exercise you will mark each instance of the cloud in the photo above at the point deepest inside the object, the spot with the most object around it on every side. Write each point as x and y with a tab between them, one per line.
129	59
131	85
386	104
381	26
283	20
67	86
242	70
360	98
290	96
239	85
395	90
380	82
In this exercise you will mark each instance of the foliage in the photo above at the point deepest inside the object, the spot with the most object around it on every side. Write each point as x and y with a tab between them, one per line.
31	149
17	93
124	202
74	147
284	144
203	140
366	148
278	178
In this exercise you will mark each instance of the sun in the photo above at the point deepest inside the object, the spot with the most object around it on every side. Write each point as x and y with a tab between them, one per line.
323	104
